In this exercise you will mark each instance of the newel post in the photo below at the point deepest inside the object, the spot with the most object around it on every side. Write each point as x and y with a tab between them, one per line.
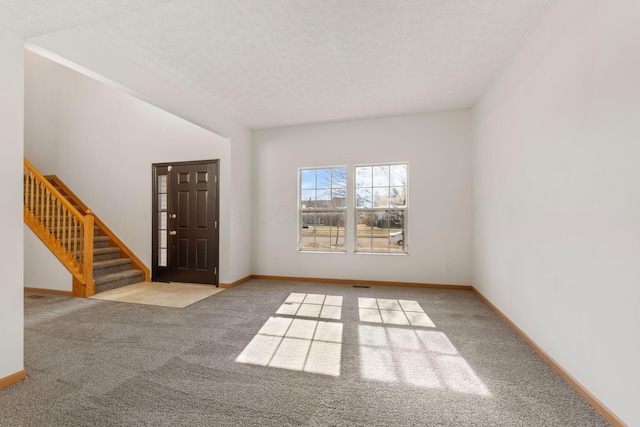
90	289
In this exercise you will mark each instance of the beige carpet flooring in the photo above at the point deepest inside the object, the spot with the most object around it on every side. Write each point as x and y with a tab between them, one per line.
176	295
282	353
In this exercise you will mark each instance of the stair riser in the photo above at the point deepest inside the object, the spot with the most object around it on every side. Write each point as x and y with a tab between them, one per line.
118	283
105	257
97	244
100	244
111	269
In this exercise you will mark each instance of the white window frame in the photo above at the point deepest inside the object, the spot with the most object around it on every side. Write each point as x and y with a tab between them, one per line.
329	210
391	248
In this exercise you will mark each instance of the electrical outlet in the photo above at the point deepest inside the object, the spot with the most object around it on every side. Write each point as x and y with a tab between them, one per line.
446	265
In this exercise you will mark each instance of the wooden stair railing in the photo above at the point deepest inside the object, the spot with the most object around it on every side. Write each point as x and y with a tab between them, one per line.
66	226
67	232
125	252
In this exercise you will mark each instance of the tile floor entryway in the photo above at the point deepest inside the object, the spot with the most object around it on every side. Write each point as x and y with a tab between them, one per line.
176	295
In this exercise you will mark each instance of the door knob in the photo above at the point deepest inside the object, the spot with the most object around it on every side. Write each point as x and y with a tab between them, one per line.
172	216
173	232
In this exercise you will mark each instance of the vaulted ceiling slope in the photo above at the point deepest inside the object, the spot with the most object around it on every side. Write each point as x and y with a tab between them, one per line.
273	63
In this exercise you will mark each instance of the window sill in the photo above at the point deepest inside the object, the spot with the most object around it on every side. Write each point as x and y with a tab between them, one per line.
322	252
381	253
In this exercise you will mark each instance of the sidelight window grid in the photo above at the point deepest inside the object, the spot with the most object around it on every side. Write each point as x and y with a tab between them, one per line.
162	220
322	209
381	208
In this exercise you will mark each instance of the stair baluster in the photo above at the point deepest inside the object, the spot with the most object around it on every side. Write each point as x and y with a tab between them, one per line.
66	232
95	256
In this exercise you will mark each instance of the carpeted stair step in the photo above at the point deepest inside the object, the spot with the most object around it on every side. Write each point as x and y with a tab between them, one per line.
110	270
101	268
100	242
117	280
103	254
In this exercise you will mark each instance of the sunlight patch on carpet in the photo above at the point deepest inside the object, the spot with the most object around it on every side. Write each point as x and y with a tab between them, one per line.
305	345
312	346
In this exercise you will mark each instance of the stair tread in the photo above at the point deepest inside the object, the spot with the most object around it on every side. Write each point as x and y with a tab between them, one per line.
117	276
97	239
111	262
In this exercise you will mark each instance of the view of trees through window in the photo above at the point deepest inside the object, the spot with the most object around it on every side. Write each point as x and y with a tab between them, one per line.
380	202
381	208
323	203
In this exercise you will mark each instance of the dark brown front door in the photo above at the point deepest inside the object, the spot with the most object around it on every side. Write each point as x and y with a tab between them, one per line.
186	222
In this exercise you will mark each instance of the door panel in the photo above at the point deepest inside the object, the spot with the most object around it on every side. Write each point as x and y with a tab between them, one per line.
192	218
181	209
201	254
202	209
181	251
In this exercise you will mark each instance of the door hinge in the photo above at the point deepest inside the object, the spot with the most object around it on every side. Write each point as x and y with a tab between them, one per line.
215	178
215	270
215	225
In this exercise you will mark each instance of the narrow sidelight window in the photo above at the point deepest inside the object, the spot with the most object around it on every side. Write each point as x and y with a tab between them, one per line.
162	220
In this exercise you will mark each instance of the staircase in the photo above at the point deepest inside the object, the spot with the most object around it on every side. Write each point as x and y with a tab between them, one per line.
110	271
96	257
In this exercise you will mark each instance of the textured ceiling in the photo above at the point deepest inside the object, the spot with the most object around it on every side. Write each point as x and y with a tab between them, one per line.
31	18
270	63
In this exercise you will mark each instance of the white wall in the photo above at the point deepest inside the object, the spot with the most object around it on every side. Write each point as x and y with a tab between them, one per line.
42	269
438	149
102	143
84	53
557	196
241	202
11	258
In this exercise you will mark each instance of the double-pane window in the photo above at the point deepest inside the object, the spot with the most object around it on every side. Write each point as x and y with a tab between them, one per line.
381	208
323	205
378	205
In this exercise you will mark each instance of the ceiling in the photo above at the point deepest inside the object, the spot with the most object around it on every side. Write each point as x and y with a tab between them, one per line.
273	63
